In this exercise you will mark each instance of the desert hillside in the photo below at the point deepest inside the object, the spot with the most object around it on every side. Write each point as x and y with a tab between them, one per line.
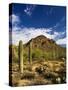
48	63
42	48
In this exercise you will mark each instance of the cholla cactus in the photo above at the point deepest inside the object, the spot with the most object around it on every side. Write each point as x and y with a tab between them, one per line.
21	56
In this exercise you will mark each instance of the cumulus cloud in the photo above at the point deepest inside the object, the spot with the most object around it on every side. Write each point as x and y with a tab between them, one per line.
14	19
25	34
61	41
58	35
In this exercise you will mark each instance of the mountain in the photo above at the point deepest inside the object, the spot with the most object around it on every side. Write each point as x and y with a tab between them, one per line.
43	43
42	48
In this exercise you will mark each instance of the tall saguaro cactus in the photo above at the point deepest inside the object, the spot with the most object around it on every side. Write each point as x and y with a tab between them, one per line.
21	56
30	51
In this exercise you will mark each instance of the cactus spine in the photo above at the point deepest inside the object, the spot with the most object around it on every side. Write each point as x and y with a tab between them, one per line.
21	56
30	52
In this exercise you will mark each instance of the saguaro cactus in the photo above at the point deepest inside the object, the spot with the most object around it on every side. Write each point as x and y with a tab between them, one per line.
30	51
21	56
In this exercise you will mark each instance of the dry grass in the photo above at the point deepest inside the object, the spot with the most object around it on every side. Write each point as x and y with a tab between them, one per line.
40	73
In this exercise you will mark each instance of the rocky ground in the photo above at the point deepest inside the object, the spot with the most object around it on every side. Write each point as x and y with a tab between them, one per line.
39	73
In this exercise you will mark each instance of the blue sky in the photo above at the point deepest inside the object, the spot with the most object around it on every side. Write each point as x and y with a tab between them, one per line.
29	21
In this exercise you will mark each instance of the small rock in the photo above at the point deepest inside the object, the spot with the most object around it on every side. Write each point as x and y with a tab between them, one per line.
58	80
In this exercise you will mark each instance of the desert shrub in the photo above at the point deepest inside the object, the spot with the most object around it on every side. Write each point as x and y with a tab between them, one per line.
36	54
15	79
48	75
25	57
13	54
29	68
48	55
59	80
28	75
39	70
41	81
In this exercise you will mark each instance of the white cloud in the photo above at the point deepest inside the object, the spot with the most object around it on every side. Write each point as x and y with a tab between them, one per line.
14	19
15	28
61	41
58	35
29	9
25	34
60	23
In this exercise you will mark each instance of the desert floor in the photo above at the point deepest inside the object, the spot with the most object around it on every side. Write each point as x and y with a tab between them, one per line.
39	73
